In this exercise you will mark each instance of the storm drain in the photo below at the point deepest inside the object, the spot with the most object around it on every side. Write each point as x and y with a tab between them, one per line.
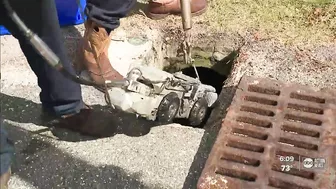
275	135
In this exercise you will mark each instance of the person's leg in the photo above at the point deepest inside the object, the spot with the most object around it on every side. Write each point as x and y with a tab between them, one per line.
103	17
6	156
58	94
107	14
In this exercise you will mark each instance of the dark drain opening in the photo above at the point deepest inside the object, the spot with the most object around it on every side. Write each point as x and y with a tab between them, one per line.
254	121
307	98
207	76
277	183
236	174
245	146
240	159
305	108
294	171
301	119
268	91
300	131
261	100
257	111
249	133
298	144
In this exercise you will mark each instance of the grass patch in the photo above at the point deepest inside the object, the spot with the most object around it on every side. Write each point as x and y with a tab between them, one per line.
291	21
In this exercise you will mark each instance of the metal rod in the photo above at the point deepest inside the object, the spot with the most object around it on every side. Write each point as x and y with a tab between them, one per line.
196	72
187	25
186	14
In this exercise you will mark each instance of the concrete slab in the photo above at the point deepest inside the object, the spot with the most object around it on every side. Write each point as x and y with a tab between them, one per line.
128	51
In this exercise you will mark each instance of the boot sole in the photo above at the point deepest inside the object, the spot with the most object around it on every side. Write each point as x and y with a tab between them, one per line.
154	16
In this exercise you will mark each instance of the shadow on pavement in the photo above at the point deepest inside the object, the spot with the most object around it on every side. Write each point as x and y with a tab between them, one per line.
211	127
25	111
43	165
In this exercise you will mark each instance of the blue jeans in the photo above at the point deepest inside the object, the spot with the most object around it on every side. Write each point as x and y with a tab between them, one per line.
6	150
59	95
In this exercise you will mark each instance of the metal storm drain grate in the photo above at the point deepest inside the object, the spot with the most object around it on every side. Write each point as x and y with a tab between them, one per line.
275	135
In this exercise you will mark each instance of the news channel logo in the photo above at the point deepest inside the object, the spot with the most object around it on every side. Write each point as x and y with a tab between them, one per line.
313	163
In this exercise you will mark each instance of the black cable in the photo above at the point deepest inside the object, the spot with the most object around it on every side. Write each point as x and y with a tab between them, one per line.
50	57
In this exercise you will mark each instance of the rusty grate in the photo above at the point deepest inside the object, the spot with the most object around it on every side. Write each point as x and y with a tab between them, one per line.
270	128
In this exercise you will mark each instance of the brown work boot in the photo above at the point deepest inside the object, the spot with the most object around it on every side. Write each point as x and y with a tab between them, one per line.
159	9
4	179
96	43
90	122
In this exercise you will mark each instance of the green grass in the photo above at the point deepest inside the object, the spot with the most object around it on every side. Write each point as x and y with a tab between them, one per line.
291	21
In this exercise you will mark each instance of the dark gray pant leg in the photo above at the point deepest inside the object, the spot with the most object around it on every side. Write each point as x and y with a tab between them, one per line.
6	149
108	13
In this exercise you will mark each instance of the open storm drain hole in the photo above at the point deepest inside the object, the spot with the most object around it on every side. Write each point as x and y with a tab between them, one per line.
207	76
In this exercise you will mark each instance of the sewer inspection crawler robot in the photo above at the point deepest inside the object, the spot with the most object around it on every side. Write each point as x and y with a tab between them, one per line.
162	96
